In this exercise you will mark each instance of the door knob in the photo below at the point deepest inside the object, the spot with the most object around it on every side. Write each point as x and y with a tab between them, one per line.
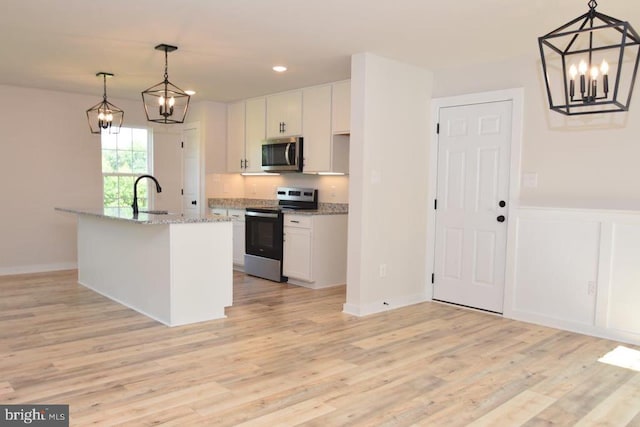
502	203
500	218
194	202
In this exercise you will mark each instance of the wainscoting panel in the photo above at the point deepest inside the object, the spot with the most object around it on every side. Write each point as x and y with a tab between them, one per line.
575	269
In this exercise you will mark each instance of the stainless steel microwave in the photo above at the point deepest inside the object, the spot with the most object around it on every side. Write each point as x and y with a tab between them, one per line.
282	155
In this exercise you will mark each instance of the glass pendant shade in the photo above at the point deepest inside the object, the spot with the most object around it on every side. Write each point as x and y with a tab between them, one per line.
590	64
165	102
104	116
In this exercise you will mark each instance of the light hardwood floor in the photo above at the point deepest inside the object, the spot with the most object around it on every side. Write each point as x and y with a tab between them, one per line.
287	355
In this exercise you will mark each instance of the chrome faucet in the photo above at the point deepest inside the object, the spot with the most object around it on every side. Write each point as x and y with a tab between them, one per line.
135	191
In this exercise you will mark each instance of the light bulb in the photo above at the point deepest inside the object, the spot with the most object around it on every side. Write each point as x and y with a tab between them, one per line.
573	71
109	117
594	73
172	101
604	67
582	67
161	100
100	115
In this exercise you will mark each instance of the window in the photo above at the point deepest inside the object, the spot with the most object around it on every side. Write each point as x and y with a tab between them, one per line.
125	156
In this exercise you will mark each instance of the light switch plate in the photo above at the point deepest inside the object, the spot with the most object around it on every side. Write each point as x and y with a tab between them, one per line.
530	180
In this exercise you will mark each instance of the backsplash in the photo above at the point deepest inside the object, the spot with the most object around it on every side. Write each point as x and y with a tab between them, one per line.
331	189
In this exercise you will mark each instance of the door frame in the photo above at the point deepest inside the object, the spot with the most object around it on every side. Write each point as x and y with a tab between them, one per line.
204	206
516	96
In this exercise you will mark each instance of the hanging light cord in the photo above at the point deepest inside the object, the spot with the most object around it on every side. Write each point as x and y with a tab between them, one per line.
104	79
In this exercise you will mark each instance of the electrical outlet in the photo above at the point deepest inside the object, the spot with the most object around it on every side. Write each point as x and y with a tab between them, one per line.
383	270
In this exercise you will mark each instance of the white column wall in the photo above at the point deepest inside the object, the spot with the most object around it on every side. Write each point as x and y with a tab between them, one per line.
390	136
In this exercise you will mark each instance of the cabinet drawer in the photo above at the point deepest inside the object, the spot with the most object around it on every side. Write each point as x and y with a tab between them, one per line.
300	221
236	214
218	211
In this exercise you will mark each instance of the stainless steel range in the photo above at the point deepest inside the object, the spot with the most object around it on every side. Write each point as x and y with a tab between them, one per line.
264	232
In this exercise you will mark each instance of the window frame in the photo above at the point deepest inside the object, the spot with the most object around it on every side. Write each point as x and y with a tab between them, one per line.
149	169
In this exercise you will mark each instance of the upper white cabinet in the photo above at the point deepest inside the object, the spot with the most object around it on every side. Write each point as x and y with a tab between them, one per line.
246	126
316	122
324	150
235	137
284	114
321	114
255	133
341	108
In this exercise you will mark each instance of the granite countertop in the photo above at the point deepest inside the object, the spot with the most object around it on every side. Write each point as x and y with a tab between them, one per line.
126	214
323	208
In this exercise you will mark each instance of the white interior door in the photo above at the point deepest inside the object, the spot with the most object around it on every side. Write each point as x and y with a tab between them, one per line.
191	171
472	199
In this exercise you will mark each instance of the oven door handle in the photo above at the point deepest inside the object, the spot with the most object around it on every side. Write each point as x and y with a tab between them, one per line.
286	154
262	214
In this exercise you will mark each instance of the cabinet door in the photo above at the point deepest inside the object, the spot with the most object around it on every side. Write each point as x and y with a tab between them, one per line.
238	242
341	107
297	253
255	132
218	211
316	121
235	137
284	114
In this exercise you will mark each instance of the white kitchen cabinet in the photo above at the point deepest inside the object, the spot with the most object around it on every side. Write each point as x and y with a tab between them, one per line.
297	254
341	108
218	211
284	114
323	151
236	137
315	250
246	126
255	133
316	121
237	219
238	222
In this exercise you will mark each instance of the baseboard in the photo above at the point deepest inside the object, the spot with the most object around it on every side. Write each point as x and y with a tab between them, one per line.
382	306
38	268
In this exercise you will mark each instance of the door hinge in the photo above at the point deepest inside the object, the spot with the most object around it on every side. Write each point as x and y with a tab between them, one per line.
435	204
182	144
182	191
438	128
433	277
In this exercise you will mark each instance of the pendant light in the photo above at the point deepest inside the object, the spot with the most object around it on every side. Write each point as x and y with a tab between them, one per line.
165	102
590	64
104	116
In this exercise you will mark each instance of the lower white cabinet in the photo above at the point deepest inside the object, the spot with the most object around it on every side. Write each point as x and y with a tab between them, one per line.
315	250
237	219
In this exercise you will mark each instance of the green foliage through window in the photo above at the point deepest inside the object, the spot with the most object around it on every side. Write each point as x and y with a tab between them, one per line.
125	156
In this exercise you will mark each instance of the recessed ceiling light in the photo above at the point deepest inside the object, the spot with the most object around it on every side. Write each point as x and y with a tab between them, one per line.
279	68
190	92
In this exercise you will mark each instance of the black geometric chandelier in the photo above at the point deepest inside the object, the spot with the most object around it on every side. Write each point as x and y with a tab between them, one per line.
590	64
165	102
104	116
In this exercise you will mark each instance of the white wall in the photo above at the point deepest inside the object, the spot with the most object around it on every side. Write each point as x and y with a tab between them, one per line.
390	134
49	158
588	161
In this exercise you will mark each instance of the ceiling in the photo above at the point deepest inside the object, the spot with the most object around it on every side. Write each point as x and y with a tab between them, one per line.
226	48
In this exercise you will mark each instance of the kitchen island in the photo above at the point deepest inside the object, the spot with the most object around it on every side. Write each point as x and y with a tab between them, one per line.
176	269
